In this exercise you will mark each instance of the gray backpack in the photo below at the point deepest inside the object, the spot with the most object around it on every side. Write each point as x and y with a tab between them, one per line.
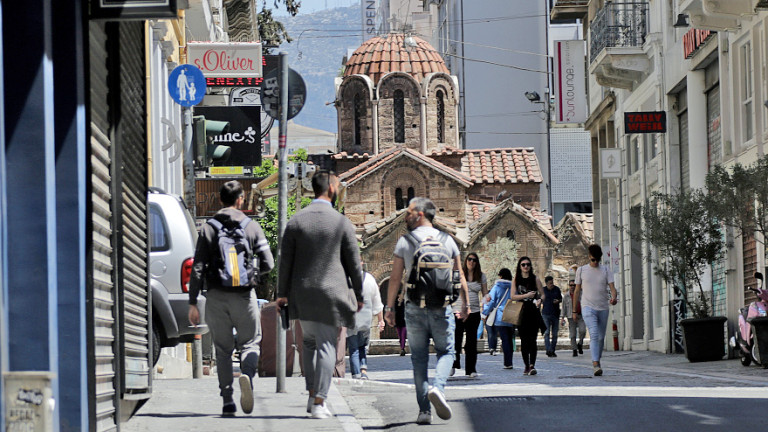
431	281
234	261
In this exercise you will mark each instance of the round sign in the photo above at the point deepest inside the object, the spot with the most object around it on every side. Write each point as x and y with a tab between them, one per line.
270	93
251	96
186	85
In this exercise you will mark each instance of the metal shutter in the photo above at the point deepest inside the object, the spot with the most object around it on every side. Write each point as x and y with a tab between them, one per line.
132	238
102	315
685	162
714	147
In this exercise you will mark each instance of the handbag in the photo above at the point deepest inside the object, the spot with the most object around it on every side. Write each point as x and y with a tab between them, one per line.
512	312
491	318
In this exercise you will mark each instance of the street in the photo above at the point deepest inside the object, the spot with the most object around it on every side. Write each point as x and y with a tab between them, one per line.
639	391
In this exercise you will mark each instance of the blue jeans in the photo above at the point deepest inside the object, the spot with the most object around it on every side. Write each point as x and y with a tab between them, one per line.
553	325
597	323
358	347
438	324
507	334
492	333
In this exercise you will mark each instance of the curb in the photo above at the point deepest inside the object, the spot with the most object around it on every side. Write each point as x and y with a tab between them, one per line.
342	411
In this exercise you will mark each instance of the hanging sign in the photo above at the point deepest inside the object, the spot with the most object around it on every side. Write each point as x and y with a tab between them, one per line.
133	9
645	122
234	60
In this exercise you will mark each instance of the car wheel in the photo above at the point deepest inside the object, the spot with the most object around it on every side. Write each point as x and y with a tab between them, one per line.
155	344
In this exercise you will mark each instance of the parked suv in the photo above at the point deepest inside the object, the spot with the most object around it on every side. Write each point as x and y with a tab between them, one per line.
172	239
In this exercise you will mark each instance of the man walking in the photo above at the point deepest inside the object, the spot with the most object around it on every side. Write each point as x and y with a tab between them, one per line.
359	336
425	320
231	252
321	283
550	311
572	312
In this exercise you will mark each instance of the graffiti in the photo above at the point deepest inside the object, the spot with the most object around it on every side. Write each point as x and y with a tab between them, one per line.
677	309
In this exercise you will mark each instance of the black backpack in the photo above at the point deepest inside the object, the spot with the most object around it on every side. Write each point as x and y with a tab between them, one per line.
431	282
233	265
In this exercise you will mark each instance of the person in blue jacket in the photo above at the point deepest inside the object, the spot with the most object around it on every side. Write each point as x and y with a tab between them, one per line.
499	296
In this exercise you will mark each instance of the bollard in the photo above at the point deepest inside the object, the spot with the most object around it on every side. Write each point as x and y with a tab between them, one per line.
615	336
197	357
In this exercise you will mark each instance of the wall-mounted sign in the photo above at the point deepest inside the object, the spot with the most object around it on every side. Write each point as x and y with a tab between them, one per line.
610	163
645	122
694	40
251	96
243	136
227	60
270	93
570	82
368	10
268	63
132	9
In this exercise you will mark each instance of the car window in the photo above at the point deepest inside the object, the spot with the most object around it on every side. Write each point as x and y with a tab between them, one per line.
190	220
158	232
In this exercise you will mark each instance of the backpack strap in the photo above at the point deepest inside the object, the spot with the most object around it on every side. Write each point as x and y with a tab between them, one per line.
244	223
215	223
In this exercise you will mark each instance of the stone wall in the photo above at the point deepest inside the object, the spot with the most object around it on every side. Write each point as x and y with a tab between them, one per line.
525	194
351	88
410	88
441	84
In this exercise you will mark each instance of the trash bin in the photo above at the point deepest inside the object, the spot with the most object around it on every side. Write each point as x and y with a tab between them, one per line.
760	330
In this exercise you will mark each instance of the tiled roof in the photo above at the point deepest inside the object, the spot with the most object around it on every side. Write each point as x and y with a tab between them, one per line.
476	209
537	219
382	159
582	224
381	55
502	165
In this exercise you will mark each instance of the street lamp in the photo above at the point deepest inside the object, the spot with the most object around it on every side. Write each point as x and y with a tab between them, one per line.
534	97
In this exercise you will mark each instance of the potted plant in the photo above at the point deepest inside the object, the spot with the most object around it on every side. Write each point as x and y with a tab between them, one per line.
687	237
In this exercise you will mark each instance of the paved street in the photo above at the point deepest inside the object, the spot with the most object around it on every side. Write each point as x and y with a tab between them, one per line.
640	391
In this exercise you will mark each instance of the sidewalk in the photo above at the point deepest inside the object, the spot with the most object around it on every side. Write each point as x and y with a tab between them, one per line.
195	405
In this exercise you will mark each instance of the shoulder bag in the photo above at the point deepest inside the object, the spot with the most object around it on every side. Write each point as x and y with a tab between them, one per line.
491	318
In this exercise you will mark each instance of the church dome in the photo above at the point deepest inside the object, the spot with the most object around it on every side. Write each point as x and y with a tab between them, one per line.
381	55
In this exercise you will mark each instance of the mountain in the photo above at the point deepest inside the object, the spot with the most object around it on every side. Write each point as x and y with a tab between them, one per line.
320	42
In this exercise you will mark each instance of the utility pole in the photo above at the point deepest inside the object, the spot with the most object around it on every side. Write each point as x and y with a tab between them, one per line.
282	211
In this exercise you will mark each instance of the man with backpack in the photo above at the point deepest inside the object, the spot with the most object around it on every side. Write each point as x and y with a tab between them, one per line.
231	253
432	263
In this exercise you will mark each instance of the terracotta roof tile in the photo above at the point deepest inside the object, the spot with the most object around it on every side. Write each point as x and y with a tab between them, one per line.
503	165
382	54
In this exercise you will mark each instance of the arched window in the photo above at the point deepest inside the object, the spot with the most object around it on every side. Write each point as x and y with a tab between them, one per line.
399	114
399	199
440	117
410	194
359	115
511	235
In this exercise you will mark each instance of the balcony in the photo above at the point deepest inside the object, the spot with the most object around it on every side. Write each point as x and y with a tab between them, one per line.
720	15
570	9
617	34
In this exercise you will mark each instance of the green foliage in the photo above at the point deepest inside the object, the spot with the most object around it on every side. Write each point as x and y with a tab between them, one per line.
686	234
266	169
739	197
271	31
500	254
299	155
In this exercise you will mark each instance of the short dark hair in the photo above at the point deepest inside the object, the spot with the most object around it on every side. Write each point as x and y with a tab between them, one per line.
595	252
424	205
548	278
321	181
230	192
505	273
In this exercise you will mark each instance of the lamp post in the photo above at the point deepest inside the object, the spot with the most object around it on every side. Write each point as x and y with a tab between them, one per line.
534	97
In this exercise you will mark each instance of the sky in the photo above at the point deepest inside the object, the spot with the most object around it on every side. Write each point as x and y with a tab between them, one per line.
308	6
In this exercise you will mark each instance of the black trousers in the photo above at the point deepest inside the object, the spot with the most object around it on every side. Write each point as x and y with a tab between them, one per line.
470	349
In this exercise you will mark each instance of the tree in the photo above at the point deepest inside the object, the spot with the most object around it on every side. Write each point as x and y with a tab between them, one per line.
687	237
502	253
272	32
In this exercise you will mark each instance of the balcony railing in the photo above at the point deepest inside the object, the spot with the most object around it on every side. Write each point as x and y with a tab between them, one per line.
622	24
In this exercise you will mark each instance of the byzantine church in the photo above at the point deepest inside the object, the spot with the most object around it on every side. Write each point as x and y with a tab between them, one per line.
397	106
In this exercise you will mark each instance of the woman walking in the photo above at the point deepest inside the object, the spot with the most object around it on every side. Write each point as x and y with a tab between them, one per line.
593	282
478	287
528	287
500	293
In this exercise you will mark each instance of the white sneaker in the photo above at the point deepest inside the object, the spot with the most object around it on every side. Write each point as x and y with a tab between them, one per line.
473	375
424	418
246	393
321	411
438	401
310	402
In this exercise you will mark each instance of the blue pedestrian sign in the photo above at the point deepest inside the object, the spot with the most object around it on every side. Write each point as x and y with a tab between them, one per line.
186	84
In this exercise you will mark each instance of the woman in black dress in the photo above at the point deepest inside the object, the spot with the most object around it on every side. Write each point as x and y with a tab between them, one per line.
528	288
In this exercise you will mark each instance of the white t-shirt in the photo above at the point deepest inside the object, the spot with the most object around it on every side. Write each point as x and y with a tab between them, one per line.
371	303
594	281
404	248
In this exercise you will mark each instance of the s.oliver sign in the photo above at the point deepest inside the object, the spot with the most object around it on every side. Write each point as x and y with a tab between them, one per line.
237	60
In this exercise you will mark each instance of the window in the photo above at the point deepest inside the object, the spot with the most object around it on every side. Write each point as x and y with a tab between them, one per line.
651	146
359	115
158	233
399	114
635	154
399	204
747	110
511	235
410	194
440	117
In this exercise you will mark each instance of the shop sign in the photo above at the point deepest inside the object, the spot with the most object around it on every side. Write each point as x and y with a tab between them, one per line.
570	82
244	135
133	9
226	60
694	40
645	122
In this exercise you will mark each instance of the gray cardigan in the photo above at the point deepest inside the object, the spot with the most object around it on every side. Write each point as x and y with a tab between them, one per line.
318	255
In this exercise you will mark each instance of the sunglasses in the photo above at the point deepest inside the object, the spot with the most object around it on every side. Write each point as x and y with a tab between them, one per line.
525	264
471	259
571	285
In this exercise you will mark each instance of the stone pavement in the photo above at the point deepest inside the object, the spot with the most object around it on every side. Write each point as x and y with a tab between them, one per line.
194	405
